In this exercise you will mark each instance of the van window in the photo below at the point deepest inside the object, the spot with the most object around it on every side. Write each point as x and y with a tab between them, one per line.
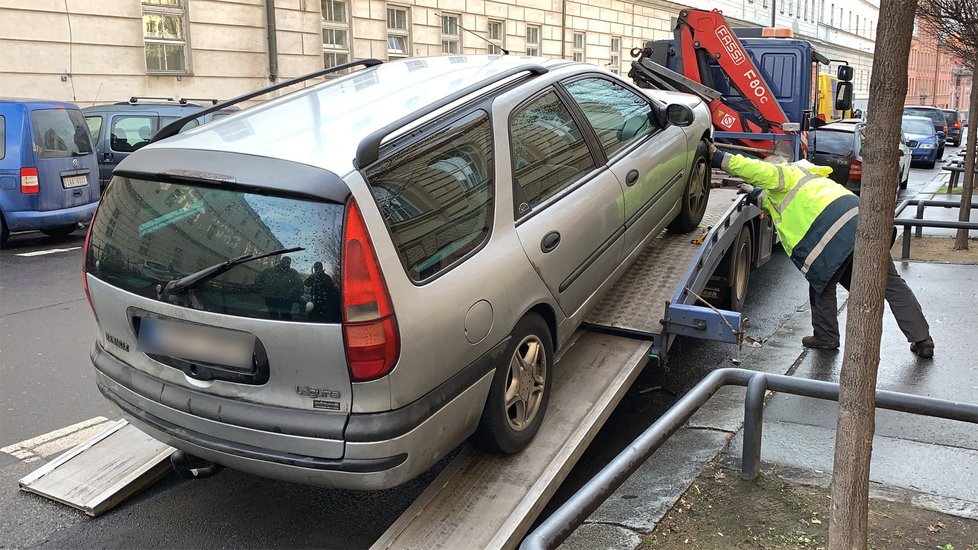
148	232
60	133
131	132
3	136
94	125
166	120
436	196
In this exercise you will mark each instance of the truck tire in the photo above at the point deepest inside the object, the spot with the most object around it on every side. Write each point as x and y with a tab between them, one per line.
741	256
520	389
696	193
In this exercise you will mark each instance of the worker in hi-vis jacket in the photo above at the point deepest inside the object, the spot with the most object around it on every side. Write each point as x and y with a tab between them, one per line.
816	220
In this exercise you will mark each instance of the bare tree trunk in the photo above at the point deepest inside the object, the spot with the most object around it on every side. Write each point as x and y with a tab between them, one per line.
849	514
970	148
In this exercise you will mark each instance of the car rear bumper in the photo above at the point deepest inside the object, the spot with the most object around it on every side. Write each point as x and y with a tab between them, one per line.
27	220
382	451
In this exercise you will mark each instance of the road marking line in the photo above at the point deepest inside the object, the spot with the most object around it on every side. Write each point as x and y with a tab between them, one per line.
57	441
51	251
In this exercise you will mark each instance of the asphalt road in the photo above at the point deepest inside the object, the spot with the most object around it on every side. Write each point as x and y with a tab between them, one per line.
46	383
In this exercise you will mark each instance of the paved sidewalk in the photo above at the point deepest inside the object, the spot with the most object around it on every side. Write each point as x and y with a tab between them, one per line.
930	462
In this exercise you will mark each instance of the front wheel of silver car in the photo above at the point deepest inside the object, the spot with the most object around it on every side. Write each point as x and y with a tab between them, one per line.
696	193
520	389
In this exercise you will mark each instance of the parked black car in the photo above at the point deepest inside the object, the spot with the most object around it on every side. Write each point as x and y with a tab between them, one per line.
838	145
954	130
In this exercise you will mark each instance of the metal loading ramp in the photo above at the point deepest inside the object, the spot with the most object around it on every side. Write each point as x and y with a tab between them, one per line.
637	301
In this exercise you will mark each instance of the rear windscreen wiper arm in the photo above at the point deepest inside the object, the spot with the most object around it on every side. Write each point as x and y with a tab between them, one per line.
208	273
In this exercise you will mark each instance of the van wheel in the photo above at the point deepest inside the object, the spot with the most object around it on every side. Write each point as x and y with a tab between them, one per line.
520	389
696	194
4	232
740	260
60	231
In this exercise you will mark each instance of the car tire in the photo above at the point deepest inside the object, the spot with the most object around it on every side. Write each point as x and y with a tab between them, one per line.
930	164
520	389
63	231
696	193
4	232
940	153
741	255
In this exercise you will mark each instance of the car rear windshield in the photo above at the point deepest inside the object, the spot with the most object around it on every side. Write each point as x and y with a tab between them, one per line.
148	233
833	142
60	133
951	117
937	117
917	127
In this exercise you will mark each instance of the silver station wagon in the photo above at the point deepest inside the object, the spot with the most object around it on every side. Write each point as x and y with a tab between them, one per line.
340	285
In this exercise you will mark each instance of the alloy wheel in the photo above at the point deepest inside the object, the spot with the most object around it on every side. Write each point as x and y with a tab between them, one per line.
527	379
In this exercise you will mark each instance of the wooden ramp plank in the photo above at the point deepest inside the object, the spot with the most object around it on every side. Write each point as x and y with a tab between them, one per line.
485	501
100	473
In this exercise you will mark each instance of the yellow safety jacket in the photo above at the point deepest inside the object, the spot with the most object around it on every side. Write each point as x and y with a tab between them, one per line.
814	216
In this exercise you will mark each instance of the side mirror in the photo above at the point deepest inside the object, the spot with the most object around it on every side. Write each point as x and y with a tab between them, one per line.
677	114
845	73
843	96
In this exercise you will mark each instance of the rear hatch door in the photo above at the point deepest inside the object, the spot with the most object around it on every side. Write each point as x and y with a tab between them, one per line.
266	331
834	148
65	159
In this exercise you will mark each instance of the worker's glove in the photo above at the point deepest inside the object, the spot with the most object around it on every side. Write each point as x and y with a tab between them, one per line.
745	189
711	148
753	193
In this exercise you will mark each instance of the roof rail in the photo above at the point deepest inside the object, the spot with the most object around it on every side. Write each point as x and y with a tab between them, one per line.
185	100
369	149
174	127
136	99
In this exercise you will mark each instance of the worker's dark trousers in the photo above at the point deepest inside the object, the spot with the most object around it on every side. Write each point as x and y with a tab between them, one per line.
902	302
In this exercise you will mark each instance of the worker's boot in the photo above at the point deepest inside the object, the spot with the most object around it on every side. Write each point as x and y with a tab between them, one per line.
923	348
818	343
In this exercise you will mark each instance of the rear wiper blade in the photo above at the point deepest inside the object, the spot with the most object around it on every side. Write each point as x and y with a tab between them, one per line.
208	273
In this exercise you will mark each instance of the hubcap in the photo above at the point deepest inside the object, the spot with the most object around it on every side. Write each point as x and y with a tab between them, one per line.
697	191
526	381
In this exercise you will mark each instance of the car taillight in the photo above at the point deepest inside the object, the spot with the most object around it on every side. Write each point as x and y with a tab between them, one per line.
957	125
856	169
369	325
945	128
29	184
88	238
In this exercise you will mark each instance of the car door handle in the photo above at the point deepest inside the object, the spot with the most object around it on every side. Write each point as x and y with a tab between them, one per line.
631	177
550	242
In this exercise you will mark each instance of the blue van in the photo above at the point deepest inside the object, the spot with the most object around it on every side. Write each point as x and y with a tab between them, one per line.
122	128
48	170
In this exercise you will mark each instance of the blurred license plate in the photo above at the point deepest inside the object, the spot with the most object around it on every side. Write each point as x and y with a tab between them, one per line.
196	342
74	181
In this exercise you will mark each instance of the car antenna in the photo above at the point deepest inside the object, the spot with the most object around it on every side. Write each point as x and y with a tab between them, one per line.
479	36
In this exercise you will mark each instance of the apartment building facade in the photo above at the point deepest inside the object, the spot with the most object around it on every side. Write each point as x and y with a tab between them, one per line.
92	51
935	74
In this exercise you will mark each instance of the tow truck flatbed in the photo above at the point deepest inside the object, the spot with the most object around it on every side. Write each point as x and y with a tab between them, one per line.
489	501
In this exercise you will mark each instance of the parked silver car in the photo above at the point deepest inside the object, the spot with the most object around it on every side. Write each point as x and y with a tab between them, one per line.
370	270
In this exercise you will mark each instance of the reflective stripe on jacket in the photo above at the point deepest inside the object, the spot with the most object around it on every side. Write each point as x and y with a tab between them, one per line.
814	216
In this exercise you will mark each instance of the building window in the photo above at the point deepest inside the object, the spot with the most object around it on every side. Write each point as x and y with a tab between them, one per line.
615	64
857	24
398	33
450	40
497	36
832	16
336	32
532	40
578	46
165	36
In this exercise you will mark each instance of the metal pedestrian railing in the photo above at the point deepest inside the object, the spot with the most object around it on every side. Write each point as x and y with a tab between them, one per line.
919	222
575	510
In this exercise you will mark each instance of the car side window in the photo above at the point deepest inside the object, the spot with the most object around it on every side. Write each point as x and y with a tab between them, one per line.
131	132
94	126
618	115
548	149
436	196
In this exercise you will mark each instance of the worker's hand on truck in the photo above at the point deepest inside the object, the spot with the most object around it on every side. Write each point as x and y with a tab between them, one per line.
745	189
753	193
